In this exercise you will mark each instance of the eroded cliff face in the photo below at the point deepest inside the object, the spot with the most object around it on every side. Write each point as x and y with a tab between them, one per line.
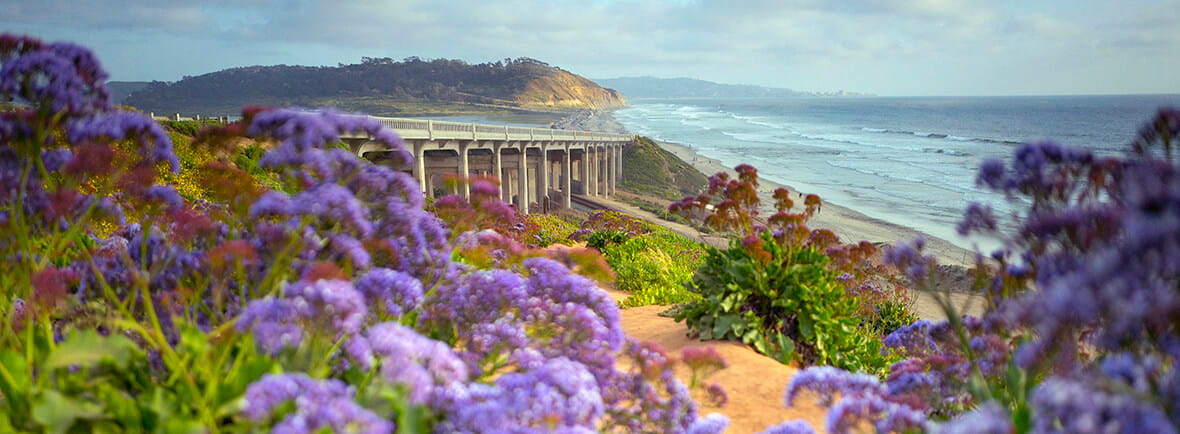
561	89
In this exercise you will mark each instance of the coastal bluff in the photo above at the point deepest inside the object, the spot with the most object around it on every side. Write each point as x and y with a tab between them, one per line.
382	87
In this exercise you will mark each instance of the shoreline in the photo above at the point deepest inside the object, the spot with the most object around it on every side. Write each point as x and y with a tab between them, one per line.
850	225
954	278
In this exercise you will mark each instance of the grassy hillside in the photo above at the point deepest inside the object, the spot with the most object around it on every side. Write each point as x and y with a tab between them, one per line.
649	170
382	86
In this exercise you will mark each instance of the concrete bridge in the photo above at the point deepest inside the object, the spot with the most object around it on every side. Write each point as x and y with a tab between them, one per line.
539	168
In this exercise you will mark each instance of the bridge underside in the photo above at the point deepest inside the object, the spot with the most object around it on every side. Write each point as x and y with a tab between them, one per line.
535	176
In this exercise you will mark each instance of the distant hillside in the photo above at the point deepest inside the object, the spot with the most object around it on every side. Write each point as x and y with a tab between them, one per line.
380	86
121	89
651	87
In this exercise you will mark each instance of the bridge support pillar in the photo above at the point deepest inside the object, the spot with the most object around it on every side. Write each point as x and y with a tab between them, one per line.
420	166
609	185
497	168
522	205
543	178
464	170
619	165
616	169
594	167
566	171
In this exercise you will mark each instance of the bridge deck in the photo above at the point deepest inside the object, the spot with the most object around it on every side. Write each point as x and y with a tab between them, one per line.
444	130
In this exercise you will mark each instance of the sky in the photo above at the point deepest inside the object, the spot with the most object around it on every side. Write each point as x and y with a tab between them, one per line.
886	47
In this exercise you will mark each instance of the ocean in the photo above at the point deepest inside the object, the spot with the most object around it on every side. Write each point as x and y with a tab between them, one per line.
911	161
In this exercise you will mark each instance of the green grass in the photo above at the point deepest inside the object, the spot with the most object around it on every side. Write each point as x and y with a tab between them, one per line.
650	170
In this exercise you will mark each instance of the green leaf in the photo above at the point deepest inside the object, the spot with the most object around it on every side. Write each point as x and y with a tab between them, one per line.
87	348
58	413
193	341
786	348
14	380
121	407
806	328
723	326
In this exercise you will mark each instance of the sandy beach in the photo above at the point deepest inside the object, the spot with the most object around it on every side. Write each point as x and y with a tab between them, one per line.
849	225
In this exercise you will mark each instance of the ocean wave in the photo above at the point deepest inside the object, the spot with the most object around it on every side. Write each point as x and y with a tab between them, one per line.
945	152
941	136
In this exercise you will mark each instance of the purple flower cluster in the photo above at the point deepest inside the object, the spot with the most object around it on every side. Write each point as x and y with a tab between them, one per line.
1063	405
713	423
323	305
862	398
647	397
395	291
428	369
115	126
62	77
319	405
350	251
559	395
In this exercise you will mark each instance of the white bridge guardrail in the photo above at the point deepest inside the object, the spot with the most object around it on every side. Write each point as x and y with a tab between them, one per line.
445	130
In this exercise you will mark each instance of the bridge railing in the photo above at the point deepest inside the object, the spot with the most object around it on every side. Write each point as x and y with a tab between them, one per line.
434	130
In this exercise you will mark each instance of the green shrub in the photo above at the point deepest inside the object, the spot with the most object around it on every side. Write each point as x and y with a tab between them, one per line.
783	301
543	230
602	238
889	316
655	267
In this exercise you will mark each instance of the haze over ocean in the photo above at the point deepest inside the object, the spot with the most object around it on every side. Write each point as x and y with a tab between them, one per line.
911	161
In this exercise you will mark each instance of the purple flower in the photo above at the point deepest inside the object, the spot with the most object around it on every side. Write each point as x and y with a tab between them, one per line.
988	418
396	291
330	302
978	218
115	126
1062	405
828	382
714	423
908	258
912	340
991	174
273	322
348	247
332	203
559	395
300	131
319	405
271	203
426	367
798	426
64	76
886	416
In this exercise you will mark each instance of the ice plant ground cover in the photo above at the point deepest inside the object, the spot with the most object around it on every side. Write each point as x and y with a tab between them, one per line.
335	302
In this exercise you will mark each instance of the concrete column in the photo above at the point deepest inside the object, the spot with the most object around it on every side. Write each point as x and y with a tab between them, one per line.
597	171
543	178
566	172
609	185
583	172
594	168
497	170
464	169
618	169
420	166
523	197
619	162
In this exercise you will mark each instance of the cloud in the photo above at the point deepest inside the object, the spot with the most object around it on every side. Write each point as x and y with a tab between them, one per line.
886	46
111	14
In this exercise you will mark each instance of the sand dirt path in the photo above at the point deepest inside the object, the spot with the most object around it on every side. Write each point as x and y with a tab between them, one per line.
755	383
